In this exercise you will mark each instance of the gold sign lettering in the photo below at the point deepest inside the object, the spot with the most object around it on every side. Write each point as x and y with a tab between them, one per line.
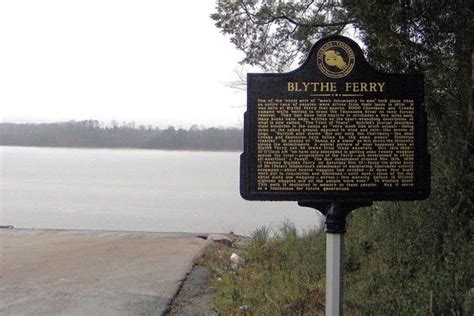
315	86
364	86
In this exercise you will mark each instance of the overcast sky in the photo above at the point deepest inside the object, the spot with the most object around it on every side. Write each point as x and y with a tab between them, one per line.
153	62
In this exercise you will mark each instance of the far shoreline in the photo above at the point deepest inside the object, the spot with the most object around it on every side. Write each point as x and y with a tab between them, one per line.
134	148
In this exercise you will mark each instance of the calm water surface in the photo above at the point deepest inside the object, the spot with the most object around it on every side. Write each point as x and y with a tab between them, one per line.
127	189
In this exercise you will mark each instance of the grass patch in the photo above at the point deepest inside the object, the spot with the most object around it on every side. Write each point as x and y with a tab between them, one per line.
283	274
392	266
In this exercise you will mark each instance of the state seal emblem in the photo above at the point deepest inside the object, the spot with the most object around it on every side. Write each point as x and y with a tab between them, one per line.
335	59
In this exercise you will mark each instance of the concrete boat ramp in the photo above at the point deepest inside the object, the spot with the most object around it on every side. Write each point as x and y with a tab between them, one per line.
64	272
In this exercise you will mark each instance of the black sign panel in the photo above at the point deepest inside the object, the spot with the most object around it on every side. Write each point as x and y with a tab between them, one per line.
335	129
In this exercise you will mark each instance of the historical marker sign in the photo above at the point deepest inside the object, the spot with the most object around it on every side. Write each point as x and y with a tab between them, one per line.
335	129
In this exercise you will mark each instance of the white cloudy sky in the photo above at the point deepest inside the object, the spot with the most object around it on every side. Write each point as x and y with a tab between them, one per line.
154	62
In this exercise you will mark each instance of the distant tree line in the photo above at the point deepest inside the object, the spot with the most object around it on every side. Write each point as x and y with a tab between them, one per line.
92	133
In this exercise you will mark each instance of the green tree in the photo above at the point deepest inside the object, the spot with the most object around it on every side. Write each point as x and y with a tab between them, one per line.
417	256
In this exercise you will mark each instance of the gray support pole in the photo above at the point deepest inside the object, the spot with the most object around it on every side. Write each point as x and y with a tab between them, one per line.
334	273
336	212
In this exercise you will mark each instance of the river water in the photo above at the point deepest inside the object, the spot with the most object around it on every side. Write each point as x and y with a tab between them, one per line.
134	190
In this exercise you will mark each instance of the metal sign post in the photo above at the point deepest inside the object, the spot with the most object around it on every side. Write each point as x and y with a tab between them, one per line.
335	134
334	273
336	213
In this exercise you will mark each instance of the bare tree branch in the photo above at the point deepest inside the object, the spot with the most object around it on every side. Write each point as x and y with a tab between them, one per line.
256	20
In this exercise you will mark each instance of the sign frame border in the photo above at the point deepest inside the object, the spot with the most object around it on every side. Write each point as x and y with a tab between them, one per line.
249	154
